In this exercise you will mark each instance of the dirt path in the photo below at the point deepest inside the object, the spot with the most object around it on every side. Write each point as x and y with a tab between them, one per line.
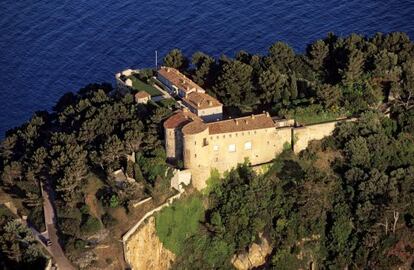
91	201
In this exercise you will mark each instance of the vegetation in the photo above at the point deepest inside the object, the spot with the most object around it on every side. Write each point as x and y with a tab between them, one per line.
344	75
88	134
18	247
179	221
312	114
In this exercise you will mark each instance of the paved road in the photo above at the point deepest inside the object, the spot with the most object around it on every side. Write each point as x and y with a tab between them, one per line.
50	220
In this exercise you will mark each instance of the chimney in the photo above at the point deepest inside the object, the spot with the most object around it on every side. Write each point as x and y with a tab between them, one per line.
210	102
237	122
253	116
168	70
267	114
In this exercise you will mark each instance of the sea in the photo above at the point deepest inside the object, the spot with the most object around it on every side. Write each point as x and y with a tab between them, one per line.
48	48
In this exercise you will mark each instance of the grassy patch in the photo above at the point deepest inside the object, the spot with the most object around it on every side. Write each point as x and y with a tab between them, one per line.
312	114
93	184
140	85
178	222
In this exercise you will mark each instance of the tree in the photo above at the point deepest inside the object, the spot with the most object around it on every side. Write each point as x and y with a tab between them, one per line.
234	86
328	95
281	56
404	93
293	87
316	55
354	66
176	59
205	69
271	85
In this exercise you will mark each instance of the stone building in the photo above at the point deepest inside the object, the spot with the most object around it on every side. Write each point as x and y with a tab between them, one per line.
202	146
191	94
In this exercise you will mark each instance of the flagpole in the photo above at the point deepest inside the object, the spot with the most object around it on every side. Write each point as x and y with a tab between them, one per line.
156	59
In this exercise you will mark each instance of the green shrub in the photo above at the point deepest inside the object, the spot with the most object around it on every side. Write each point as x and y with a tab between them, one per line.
91	225
212	182
36	218
79	244
114	201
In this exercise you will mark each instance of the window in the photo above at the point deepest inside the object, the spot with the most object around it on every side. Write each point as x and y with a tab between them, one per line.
232	148
247	145
205	143
215	147
195	155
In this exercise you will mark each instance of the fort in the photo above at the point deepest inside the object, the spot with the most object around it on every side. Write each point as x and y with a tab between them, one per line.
197	137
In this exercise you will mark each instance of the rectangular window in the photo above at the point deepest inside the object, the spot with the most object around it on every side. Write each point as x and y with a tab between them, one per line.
215	147
232	147
247	145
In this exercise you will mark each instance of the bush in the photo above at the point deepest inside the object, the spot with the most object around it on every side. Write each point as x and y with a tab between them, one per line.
79	244
36	218
114	201
212	182
91	225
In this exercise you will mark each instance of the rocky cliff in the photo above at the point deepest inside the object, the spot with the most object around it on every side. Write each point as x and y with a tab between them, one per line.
255	257
144	250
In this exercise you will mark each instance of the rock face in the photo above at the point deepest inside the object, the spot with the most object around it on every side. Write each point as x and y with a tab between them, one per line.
254	258
144	250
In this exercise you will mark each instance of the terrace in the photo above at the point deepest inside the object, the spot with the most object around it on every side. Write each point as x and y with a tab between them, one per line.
134	80
138	84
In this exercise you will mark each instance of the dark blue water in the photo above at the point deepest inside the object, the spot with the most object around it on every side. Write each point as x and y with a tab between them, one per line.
50	47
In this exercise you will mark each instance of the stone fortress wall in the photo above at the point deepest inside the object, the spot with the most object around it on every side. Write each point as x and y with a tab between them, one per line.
202	152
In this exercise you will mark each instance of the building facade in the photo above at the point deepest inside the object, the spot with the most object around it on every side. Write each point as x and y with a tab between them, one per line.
192	95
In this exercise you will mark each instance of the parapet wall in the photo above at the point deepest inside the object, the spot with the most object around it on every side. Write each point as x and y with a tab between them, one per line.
301	136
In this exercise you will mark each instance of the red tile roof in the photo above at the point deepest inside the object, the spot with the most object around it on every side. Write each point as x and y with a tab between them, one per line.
194	127
178	79
258	121
142	94
201	100
180	118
